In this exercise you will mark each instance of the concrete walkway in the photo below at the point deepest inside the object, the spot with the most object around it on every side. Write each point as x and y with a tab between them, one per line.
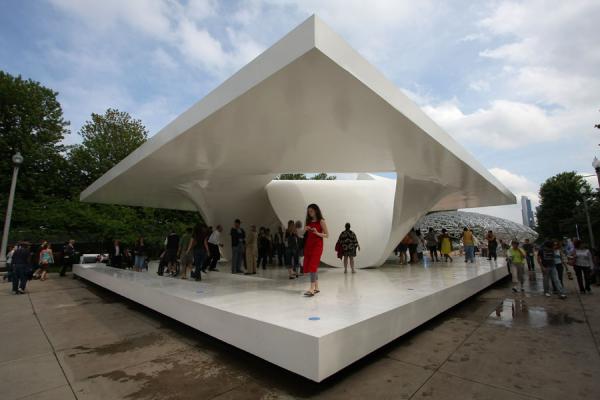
68	339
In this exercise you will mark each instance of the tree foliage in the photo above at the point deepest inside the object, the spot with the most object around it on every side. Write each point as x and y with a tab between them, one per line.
302	177
558	213
52	176
31	122
106	140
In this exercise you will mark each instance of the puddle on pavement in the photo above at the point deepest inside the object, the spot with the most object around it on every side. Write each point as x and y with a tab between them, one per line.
516	312
127	344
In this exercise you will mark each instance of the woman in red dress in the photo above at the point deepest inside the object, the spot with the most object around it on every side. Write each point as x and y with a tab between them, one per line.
316	230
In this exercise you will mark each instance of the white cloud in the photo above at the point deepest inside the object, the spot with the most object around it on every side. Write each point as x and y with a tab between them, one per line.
480	85
552	47
147	16
503	125
518	184
163	59
182	27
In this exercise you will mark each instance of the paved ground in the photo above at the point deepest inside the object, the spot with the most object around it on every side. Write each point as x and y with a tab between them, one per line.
70	339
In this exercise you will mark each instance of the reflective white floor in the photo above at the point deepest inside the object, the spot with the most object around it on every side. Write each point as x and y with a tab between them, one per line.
266	314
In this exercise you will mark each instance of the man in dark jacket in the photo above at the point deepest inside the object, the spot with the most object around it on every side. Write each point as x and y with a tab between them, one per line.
68	257
21	264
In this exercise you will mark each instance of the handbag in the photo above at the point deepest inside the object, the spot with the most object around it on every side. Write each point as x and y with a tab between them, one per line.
338	249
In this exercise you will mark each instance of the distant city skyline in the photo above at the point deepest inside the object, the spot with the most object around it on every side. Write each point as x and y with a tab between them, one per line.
527	212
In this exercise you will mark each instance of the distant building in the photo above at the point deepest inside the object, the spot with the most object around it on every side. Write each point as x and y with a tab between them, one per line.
527	212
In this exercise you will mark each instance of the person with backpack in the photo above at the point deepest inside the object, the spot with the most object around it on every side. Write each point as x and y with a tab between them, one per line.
349	244
546	260
517	263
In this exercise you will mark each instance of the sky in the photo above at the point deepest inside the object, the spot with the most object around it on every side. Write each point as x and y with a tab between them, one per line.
515	82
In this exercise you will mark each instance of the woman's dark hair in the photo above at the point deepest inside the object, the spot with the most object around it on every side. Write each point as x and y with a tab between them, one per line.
291	226
317	213
347	226
200	232
577	243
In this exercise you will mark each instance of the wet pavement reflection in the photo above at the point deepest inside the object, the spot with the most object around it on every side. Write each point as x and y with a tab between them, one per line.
516	312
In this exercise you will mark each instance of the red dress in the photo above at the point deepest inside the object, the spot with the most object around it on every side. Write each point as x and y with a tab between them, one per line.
313	248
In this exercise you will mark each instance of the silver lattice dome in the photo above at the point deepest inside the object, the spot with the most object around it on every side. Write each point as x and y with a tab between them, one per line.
455	221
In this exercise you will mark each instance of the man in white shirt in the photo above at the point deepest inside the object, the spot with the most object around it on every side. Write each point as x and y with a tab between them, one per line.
214	242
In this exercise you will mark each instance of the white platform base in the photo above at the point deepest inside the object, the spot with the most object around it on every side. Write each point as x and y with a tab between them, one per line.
266	314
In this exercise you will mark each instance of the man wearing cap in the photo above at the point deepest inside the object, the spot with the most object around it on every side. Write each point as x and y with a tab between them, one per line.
238	238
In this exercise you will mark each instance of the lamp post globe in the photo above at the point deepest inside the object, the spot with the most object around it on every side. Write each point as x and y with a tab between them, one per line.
582	190
17	159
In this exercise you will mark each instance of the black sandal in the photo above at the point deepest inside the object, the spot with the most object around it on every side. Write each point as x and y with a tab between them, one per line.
317	291
309	294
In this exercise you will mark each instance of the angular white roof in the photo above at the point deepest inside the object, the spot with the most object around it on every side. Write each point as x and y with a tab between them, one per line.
310	103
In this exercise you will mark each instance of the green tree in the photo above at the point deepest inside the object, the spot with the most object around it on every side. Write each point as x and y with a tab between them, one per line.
557	213
323	177
302	177
31	121
106	140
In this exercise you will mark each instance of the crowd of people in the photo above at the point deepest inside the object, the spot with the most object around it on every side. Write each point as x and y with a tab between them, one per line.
554	257
300	246
23	264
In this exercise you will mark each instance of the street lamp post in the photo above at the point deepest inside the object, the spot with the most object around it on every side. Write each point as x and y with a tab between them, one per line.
596	165
587	216
17	160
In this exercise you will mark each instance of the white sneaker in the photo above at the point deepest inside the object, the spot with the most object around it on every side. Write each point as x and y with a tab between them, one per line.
547	294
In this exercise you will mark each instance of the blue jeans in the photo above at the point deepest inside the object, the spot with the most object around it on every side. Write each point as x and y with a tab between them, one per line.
469	253
237	254
550	273
292	259
19	276
139	262
199	259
